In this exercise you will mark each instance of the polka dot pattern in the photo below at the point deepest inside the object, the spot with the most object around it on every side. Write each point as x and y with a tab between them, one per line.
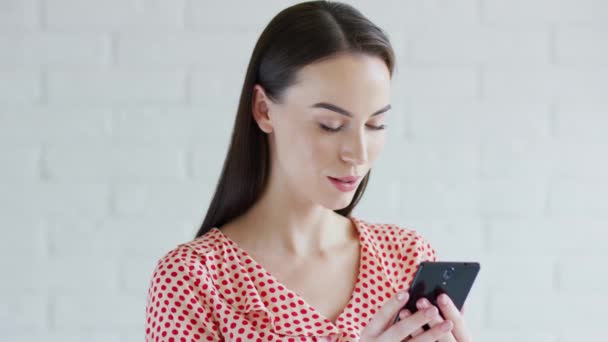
210	289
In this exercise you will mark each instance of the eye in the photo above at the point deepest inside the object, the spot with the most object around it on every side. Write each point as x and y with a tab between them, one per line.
330	129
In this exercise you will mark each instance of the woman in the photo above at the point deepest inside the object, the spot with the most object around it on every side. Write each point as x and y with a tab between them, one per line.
279	257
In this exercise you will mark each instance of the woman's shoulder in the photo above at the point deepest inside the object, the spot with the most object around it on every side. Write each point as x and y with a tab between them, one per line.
388	230
192	254
394	236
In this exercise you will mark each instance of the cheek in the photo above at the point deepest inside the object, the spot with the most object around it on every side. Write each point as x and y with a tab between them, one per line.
322	149
301	150
314	155
315	149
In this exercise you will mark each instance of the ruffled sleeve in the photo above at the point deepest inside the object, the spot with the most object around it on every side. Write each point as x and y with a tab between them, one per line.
179	304
413	249
426	252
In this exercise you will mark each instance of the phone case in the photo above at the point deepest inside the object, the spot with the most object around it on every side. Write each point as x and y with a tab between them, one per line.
433	278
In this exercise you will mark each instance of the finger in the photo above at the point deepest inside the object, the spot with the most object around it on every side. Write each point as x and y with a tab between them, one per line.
383	318
424	303
450	312
421	305
436	333
405	327
403	314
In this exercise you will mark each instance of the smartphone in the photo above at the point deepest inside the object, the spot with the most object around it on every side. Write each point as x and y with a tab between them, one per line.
436	277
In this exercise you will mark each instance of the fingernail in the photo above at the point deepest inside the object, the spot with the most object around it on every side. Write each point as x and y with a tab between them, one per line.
422	303
446	326
402	295
403	314
430	312
443	299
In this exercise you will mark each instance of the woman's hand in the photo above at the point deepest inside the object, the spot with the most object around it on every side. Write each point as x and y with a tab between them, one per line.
381	329
459	333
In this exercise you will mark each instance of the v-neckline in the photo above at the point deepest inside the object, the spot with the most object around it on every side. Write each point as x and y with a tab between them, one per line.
362	248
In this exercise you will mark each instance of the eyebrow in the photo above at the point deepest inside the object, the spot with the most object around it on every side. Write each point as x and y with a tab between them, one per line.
344	111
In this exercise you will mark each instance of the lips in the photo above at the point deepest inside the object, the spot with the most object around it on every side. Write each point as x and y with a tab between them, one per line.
348	179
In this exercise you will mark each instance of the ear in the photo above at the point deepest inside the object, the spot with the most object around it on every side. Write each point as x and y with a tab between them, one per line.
260	105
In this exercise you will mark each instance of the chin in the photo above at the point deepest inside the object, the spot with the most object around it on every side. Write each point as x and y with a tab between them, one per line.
340	203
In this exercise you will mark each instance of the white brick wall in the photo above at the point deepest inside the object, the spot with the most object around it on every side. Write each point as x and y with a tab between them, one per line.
115	118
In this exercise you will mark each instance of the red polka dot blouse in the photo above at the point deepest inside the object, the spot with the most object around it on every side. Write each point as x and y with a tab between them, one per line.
209	289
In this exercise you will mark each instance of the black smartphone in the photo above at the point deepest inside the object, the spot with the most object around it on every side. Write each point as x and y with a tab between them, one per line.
436	277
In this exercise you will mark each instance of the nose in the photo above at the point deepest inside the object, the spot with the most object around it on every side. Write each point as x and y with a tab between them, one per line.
354	150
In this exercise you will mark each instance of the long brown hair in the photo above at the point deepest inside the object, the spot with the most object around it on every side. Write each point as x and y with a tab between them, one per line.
298	35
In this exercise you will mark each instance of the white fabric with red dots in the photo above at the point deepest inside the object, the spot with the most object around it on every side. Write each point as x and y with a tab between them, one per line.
209	289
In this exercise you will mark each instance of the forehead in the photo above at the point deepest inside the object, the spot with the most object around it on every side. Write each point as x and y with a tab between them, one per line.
344	77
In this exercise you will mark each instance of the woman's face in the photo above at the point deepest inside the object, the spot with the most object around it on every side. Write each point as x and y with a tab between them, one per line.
341	93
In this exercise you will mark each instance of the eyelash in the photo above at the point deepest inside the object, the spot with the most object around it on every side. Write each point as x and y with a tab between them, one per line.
329	129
